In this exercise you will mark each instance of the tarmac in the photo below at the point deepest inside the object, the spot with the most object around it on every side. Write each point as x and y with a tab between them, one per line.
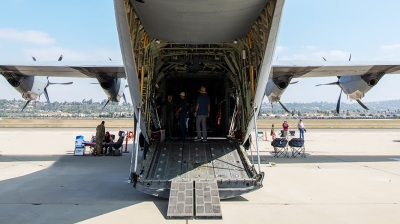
348	176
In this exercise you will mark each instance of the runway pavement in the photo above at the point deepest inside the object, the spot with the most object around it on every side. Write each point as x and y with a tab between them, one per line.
348	176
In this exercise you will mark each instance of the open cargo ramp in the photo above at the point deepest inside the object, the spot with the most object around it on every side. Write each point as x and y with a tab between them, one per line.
195	176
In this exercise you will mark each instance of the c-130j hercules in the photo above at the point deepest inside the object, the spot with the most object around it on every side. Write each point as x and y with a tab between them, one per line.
226	46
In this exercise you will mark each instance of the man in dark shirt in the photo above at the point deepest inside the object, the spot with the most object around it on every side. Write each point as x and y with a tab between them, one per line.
117	144
202	112
181	115
100	133
106	141
170	108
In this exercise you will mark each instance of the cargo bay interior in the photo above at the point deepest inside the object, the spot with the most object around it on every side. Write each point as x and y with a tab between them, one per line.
186	70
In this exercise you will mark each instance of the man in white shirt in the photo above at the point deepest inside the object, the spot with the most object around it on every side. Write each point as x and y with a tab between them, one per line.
301	128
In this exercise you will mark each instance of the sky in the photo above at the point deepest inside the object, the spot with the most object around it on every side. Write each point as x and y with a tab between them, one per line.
310	30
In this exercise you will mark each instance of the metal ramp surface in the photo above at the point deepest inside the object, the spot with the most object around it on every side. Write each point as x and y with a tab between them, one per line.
194	199
207	200
180	205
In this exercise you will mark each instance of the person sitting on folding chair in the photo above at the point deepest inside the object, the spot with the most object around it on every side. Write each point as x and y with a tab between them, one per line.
115	145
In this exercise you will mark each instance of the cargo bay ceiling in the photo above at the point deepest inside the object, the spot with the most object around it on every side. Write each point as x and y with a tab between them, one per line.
198	22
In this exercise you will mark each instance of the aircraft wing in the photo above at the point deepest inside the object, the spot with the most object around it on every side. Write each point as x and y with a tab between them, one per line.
304	69
112	69
115	69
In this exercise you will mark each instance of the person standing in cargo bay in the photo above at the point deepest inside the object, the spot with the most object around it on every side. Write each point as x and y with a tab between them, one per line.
202	112
181	115
170	108
100	134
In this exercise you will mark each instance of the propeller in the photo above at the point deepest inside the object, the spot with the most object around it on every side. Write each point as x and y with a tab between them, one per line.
340	95
283	106
341	90
362	105
60	83
327	84
105	105
123	95
46	94
27	102
338	102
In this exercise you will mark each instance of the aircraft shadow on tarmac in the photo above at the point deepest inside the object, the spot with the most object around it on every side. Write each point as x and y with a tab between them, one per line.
73	189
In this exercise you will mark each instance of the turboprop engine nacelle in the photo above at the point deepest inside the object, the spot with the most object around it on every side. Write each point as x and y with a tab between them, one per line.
114	89
356	86
31	87
275	88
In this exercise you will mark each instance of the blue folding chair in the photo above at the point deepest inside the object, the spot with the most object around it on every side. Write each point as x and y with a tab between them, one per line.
79	147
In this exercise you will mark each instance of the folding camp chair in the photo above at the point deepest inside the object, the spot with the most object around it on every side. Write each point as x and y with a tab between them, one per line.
282	148
297	147
260	135
79	147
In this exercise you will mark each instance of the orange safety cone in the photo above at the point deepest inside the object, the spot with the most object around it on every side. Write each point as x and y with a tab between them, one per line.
265	135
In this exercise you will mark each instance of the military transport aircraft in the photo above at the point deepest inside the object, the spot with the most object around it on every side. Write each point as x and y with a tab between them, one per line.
227	46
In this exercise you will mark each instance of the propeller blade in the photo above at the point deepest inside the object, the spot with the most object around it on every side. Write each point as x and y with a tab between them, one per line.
60	58
324	58
60	83
350	58
47	96
294	82
105	105
332	83
283	106
27	102
363	105
33	58
123	95
338	102
94	83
